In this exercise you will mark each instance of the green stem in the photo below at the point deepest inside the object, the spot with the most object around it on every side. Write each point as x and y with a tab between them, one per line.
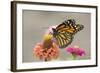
73	57
46	60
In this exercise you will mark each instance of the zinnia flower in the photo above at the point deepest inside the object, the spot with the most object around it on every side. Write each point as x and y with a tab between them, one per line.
75	51
47	50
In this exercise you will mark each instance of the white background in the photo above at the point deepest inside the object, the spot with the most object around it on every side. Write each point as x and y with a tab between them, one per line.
5	37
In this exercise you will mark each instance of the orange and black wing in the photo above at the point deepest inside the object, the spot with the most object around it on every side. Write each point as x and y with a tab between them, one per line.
67	26
64	39
64	33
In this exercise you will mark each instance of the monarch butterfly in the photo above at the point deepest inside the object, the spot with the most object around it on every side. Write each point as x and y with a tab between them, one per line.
64	32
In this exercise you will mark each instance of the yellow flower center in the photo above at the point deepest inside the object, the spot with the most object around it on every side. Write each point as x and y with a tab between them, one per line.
47	37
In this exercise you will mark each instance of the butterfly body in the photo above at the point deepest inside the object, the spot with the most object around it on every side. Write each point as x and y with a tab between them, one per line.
64	33
55	32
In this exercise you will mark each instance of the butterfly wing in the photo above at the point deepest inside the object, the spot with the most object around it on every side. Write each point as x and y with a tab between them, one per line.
64	32
63	39
78	28
67	26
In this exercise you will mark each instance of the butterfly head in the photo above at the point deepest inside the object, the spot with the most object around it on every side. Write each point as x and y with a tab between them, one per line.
49	30
55	32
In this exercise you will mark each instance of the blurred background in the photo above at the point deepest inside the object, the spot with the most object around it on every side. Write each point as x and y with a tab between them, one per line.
35	23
